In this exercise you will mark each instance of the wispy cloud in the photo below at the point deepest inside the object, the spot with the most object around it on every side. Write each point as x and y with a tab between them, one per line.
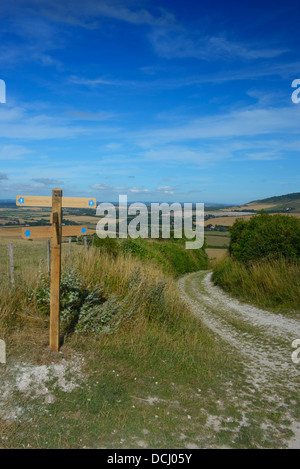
88	14
245	72
13	152
102	81
48	181
245	122
120	189
166	189
24	123
88	115
173	44
3	177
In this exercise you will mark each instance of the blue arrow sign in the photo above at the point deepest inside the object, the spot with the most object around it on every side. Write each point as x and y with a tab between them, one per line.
21	200
83	231
91	203
27	233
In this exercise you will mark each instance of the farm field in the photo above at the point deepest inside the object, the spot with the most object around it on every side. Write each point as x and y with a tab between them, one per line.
10	233
218	241
82	219
225	221
215	254
252	206
215	244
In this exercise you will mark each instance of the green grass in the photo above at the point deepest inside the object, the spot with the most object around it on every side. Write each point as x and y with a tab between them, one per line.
161	351
154	381
169	254
273	284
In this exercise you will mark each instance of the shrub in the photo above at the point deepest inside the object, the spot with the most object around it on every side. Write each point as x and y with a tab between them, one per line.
265	235
82	309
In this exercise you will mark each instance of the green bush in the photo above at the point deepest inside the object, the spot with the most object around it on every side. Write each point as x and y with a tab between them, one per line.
264	236
110	245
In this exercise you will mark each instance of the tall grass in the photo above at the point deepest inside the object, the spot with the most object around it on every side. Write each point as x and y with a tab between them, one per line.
269	283
142	290
160	350
158	327
169	254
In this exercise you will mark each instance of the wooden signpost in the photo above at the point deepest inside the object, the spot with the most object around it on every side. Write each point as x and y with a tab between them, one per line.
55	232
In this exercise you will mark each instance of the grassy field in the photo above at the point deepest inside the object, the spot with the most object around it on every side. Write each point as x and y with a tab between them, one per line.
217	244
217	241
152	382
225	221
215	253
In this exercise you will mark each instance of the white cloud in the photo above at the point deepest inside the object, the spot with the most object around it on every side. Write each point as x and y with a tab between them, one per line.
247	122
173	44
88	14
13	152
48	181
24	123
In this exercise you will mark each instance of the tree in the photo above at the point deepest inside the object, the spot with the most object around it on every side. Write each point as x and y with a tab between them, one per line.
265	235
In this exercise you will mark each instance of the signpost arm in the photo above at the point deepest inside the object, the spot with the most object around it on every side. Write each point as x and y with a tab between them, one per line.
55	268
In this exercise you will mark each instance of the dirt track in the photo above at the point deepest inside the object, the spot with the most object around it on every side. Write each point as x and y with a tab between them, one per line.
262	340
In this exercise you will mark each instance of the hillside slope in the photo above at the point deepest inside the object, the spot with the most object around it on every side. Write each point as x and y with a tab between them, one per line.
282	203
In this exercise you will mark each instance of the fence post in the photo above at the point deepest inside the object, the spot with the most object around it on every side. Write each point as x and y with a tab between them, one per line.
11	264
85	243
48	255
70	245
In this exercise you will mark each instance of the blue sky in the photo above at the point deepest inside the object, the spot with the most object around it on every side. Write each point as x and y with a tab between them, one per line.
161	100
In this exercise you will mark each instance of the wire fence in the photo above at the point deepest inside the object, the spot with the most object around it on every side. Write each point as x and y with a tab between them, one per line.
20	260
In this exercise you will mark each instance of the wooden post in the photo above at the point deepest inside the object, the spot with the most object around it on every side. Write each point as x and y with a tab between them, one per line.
11	264
85	243
55	268
70	245
48	256
55	232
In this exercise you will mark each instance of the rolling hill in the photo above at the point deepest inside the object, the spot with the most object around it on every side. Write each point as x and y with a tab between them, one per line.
277	204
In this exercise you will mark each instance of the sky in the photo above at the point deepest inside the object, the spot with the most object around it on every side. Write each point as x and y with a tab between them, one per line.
162	100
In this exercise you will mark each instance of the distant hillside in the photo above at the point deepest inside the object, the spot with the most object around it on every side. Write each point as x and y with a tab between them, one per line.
282	204
280	199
